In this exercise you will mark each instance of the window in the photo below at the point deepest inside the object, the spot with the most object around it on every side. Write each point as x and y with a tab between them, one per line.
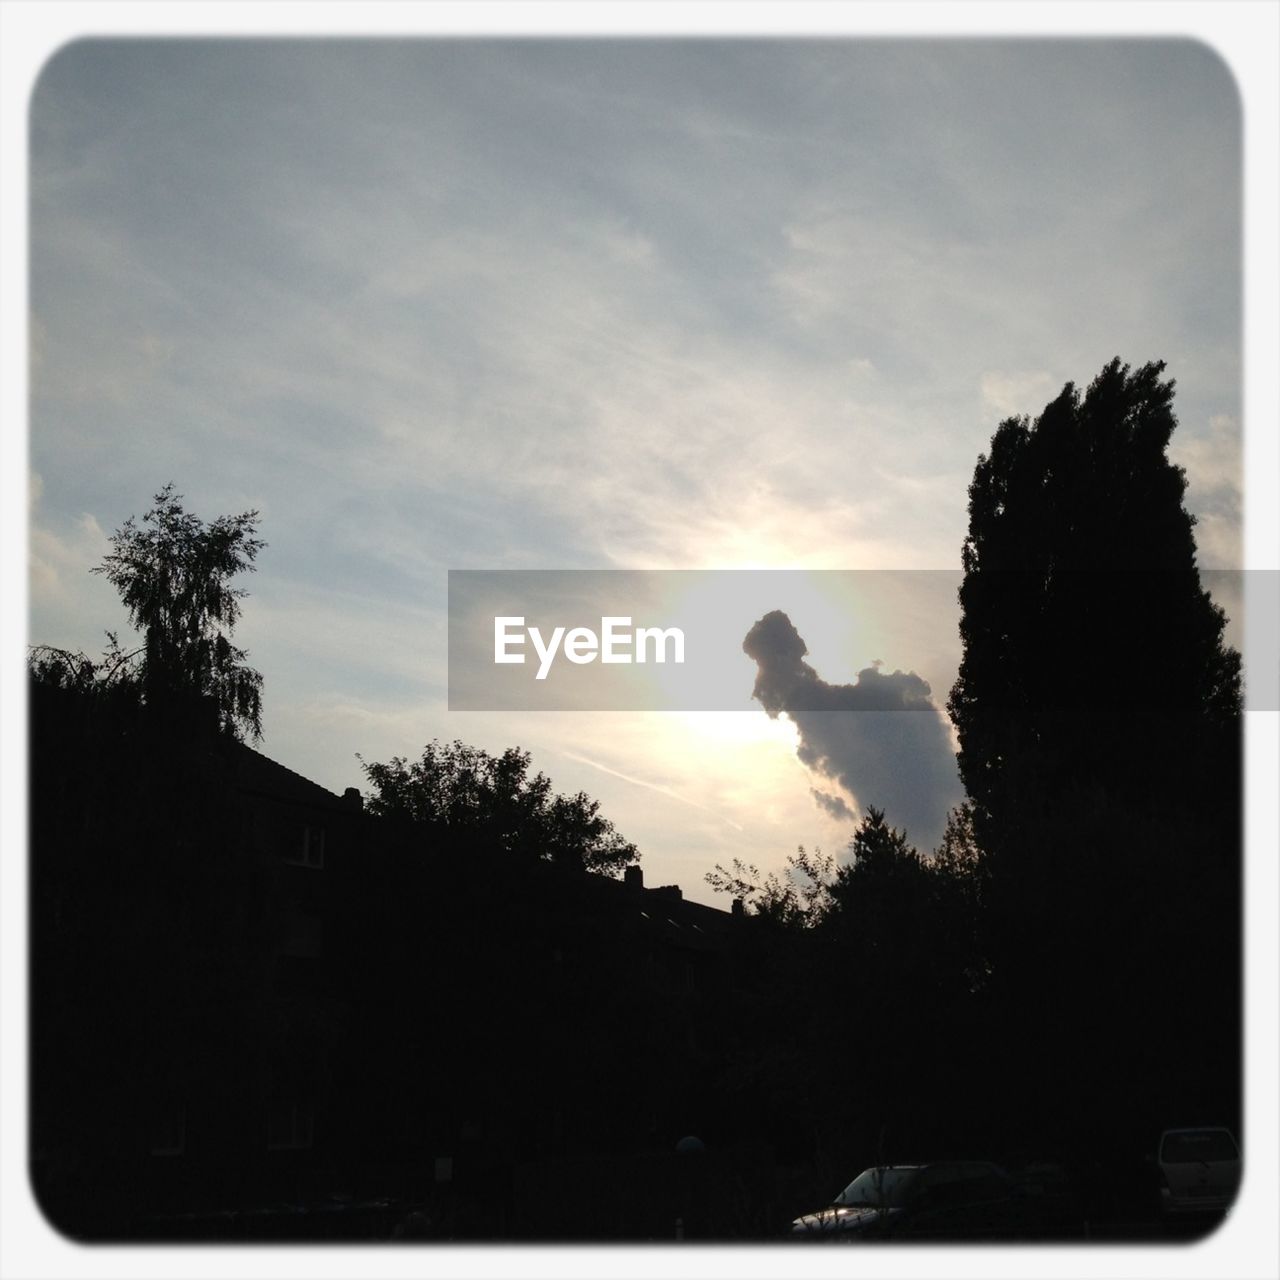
959	1184
310	851
167	1132
290	1126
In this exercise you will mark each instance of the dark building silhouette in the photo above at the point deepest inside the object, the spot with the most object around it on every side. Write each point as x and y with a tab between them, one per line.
258	1011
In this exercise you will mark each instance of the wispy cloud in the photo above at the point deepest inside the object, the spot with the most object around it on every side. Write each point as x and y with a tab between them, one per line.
1215	490
1011	395
576	304
641	782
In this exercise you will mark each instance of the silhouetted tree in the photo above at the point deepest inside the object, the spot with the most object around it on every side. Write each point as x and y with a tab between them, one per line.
878	903
495	800
960	879
174	573
1084	620
1098	714
797	899
859	979
110	682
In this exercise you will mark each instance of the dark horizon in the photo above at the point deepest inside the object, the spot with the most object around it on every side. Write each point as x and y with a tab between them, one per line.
461	970
917	418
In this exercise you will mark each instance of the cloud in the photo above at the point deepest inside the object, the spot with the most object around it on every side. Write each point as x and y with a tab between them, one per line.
59	558
833	804
1014	394
895	753
1215	477
669	792
548	304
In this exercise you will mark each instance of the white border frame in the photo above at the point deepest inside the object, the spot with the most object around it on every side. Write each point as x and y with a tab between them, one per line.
1245	33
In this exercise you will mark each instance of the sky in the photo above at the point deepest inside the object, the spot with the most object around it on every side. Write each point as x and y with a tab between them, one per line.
432	305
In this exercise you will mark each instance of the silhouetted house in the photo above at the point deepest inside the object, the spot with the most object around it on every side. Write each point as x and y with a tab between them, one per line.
184	1004
249	993
310	839
503	1006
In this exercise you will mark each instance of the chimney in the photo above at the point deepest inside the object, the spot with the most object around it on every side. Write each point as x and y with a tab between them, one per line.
633	878
352	799
739	909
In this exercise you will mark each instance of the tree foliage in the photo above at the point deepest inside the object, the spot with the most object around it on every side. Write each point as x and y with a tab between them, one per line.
879	898
174	573
799	898
1098	713
863	977
885	907
114	673
1084	621
496	799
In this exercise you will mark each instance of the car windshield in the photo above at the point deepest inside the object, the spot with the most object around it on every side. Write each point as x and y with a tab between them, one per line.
1197	1146
881	1187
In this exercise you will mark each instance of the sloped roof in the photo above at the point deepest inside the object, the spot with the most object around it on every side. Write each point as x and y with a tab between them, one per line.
263	776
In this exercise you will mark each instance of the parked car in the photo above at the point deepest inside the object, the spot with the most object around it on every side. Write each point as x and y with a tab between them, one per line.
942	1200
1199	1171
